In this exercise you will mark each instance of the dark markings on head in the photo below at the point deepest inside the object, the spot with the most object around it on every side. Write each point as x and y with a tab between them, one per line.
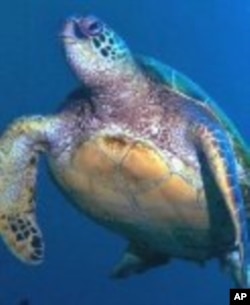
102	37
104	52
97	42
111	41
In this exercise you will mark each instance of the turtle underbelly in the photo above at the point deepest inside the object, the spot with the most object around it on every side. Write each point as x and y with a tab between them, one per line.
129	187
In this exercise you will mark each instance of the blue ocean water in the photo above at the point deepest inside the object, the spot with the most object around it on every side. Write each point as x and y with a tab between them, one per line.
209	41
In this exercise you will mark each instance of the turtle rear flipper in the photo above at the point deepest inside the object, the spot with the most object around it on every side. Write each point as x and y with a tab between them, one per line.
137	259
19	149
215	145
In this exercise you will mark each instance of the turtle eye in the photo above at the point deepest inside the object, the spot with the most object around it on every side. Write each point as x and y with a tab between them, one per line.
95	28
87	27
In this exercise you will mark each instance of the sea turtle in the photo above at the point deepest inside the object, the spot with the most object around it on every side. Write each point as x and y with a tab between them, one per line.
140	149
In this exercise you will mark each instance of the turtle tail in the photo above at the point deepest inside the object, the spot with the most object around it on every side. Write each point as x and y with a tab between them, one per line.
20	146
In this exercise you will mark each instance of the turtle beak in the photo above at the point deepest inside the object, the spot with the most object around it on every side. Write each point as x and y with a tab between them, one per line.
69	32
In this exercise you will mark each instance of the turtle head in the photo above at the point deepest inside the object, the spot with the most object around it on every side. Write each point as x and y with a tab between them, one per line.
94	51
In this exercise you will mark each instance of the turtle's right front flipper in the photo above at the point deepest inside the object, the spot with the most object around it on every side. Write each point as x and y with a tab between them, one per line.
215	144
19	149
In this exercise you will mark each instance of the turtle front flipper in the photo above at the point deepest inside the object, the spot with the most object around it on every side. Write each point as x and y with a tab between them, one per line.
216	147
19	149
137	259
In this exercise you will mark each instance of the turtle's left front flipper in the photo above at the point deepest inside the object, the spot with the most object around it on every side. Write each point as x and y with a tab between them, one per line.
20	146
214	143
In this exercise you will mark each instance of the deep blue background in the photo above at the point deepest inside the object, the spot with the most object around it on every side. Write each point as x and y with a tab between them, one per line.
209	40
